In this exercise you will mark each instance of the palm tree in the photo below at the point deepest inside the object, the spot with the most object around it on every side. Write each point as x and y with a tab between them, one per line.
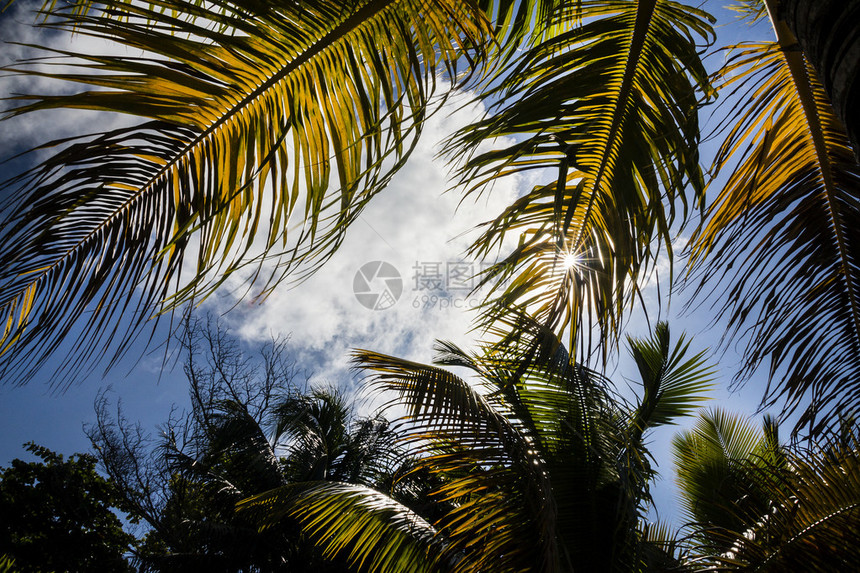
316	437
715	462
540	470
757	505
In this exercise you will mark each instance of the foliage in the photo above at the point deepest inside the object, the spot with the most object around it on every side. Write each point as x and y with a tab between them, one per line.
608	104
59	515
260	131
714	461
322	106
305	110
542	469
7	564
305	107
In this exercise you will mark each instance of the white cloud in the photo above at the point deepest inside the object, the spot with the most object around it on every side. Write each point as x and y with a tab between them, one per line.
18	35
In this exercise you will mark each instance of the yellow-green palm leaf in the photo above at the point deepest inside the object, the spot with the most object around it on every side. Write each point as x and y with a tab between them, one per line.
265	128
609	108
780	240
492	476
356	524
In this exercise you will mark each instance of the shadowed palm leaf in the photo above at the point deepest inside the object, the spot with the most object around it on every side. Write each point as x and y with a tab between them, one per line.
609	108
760	506
267	127
787	224
814	522
714	460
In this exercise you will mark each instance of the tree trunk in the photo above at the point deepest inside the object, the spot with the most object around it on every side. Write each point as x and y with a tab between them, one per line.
828	31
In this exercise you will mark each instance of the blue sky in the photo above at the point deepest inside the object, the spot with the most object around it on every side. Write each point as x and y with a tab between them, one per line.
414	225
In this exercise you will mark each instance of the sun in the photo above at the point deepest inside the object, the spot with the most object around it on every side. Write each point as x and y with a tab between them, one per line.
571	260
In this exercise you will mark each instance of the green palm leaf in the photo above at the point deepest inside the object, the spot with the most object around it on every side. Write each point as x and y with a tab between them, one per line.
787	225
609	107
717	462
265	130
673	386
545	466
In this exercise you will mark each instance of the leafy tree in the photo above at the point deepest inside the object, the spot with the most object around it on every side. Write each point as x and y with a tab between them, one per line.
60	515
541	469
253	426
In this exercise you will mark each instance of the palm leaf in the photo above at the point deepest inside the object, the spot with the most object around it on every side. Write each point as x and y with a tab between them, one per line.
661	549
718	463
810	521
367	528
786	224
609	108
672	385
493	475
265	130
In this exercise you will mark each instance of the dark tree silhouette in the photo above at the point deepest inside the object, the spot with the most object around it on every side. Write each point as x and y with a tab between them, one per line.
59	515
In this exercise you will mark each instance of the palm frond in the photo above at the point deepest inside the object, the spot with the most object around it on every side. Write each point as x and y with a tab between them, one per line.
673	385
749	10
717	463
313	427
493	474
661	549
366	528
779	242
265	130
537	465
609	108
231	456
811	521
529	468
